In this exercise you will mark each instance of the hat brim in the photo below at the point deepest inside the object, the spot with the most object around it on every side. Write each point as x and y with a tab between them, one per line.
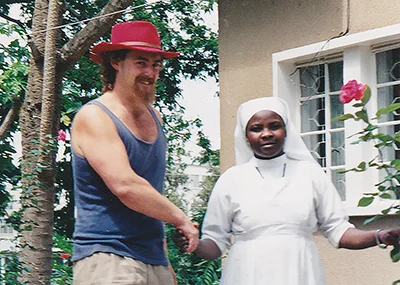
97	50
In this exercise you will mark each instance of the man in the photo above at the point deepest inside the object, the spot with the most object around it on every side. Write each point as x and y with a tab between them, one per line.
119	165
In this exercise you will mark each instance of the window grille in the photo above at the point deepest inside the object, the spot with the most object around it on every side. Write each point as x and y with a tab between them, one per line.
388	92
319	103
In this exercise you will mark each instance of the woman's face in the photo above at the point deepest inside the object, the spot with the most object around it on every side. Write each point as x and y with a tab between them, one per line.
266	133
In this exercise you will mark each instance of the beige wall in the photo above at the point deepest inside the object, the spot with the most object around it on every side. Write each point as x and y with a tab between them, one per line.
371	266
250	31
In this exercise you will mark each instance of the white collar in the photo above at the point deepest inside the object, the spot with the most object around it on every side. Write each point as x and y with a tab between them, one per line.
275	167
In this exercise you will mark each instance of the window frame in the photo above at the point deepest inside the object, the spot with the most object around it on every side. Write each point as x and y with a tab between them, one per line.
359	62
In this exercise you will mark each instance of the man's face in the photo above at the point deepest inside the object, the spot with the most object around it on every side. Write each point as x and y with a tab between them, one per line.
139	71
266	133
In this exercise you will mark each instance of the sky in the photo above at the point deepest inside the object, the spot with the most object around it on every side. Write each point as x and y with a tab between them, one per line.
201	100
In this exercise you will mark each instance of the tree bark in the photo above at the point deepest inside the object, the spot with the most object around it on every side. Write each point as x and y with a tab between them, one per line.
9	119
30	123
38	198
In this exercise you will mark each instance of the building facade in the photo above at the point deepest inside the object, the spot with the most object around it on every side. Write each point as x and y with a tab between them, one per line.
303	51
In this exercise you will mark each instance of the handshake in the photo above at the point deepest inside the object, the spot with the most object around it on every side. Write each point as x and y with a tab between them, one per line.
205	248
186	243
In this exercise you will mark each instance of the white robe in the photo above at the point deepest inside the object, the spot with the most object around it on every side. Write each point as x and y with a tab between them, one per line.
272	208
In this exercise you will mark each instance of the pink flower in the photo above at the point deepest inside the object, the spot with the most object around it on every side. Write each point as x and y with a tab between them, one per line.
352	90
62	136
65	255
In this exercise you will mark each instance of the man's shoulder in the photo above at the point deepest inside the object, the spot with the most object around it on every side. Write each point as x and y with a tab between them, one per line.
91	116
91	108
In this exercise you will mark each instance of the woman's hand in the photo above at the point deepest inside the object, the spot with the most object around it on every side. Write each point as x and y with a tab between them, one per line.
390	236
181	241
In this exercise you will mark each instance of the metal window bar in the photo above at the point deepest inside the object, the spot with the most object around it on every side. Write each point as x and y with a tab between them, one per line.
323	146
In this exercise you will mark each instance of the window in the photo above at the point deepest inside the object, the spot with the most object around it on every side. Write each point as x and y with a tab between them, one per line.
388	90
319	103
309	79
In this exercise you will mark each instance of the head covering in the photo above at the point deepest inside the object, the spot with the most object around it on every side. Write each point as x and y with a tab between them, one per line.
294	146
135	35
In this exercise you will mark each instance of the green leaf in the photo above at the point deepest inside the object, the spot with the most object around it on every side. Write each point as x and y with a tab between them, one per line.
382	188
395	162
363	115
370	128
365	201
358	105
361	167
388	109
343	117
384	137
395	253
374	218
367	95
386	196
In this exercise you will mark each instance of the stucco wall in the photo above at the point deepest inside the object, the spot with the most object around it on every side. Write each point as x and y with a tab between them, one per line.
371	266
250	31
371	14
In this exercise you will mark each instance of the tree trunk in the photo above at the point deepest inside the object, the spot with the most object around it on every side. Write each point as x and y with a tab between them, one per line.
30	123
38	118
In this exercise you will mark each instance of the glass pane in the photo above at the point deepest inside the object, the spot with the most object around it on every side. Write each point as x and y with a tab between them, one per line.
338	152
312	80
339	180
388	65
316	145
313	115
335	76
337	109
386	96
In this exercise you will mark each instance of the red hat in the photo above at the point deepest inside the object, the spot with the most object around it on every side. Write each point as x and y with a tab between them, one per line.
136	35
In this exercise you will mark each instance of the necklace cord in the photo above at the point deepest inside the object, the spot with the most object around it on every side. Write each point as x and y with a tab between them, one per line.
262	176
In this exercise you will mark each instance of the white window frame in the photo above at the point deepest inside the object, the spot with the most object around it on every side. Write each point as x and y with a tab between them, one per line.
358	63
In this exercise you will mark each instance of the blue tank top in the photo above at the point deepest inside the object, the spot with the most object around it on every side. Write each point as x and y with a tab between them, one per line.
103	223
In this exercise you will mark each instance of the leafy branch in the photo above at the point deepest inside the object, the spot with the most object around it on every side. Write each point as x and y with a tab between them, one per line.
389	187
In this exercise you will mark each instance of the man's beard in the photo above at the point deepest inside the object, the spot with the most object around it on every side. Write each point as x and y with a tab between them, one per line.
147	94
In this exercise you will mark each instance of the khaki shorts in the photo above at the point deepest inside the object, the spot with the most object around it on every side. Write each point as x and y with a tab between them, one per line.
107	268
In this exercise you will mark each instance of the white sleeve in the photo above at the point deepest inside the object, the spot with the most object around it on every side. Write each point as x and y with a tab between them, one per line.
332	217
217	224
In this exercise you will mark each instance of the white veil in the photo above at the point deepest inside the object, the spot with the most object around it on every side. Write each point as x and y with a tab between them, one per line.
294	146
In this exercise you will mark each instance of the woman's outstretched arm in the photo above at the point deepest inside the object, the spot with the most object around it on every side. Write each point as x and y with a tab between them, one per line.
358	239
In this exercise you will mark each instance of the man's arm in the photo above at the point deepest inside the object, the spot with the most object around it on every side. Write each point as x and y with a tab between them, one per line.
95	137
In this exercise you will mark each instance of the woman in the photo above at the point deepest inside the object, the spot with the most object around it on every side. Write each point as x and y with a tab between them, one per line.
266	208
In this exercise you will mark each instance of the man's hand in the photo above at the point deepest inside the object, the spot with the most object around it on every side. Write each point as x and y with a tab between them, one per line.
187	237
